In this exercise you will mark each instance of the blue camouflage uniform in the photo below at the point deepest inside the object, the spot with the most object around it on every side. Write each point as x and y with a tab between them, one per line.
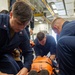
50	46
66	49
7	45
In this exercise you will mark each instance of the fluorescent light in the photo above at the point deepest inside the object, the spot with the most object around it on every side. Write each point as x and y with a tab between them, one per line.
53	6
36	19
55	11
40	21
74	14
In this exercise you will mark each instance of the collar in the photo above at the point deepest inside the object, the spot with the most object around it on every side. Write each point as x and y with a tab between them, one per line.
66	22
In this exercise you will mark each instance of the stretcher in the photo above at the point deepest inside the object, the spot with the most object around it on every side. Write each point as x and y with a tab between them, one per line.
42	66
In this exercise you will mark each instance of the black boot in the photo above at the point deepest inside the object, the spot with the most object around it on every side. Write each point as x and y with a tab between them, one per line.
44	72
33	73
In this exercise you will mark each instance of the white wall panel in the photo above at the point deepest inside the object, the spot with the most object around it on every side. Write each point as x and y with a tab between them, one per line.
40	27
68	1
70	12
62	12
69	6
59	5
3	4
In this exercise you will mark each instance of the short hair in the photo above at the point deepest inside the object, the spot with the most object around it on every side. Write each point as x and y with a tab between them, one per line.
22	11
4	11
54	21
40	36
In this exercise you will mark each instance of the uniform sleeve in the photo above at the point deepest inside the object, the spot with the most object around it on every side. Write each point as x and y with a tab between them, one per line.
28	32
68	29
52	46
0	18
36	48
3	33
32	23
27	51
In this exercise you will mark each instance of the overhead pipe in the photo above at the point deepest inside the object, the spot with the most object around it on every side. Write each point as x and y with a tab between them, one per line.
33	8
48	7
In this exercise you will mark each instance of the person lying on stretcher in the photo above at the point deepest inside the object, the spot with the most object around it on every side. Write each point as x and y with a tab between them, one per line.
42	66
